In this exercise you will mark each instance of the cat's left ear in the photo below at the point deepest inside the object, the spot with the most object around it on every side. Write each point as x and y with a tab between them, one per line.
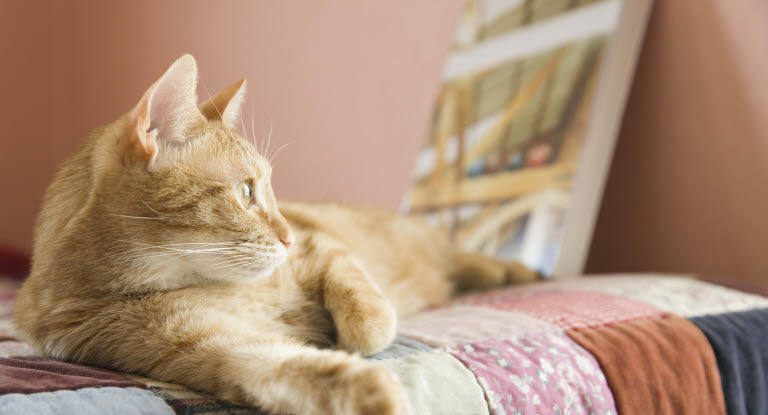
166	110
225	106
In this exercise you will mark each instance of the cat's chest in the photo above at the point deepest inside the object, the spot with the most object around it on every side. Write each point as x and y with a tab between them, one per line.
283	307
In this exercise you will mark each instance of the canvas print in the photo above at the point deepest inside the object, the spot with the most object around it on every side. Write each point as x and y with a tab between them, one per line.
497	169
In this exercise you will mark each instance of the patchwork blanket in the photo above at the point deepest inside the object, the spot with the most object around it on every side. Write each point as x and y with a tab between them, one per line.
607	345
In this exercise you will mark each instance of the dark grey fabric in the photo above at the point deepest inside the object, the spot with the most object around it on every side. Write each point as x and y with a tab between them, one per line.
740	343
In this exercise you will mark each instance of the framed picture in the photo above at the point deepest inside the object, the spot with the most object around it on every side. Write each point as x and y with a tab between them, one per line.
524	127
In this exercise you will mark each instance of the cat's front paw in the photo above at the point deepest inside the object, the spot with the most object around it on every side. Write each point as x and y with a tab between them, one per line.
367	325
374	390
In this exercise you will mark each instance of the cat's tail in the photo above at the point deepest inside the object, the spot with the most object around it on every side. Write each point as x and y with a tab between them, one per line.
473	271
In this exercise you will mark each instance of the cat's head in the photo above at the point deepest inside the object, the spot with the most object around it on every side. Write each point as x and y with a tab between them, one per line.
184	196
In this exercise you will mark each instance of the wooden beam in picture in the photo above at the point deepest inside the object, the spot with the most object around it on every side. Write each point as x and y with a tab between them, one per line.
507	232
491	187
552	198
469	226
446	119
426	160
488	230
540	226
546	201
463	111
577	110
529	40
514	107
576	130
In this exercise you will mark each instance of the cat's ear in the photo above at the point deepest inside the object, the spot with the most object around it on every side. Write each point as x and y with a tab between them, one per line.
166	109
225	106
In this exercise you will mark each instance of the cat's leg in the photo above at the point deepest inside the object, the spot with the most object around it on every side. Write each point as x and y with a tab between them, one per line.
287	378
473	271
284	377
365	319
221	354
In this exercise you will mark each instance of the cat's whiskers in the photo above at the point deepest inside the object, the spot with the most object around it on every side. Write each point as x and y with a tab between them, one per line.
159	216
240	264
253	133
231	263
150	260
183	248
231	257
272	157
219	112
162	215
237	269
265	154
138	257
138	254
189	251
134	217
172	245
148	251
201	243
186	243
251	139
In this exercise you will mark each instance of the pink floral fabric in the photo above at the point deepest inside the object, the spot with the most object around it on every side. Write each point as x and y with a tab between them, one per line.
546	373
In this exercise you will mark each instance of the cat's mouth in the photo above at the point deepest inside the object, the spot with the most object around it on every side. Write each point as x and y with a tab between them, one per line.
258	271
263	272
263	265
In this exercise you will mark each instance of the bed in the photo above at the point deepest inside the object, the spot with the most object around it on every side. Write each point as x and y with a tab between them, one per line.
633	344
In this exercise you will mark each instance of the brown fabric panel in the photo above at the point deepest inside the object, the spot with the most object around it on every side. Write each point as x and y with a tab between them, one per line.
657	366
32	374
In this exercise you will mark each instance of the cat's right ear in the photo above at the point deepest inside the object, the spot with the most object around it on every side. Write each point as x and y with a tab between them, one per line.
165	110
225	106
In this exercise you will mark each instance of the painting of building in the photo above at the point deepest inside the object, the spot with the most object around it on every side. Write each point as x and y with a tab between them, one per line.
508	129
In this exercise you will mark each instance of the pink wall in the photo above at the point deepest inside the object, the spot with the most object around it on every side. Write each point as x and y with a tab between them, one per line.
350	84
688	190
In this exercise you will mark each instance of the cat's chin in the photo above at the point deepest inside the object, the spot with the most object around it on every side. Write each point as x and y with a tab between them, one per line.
259	273
179	274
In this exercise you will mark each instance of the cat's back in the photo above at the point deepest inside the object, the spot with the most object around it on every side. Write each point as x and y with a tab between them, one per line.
392	248
65	197
62	203
362	225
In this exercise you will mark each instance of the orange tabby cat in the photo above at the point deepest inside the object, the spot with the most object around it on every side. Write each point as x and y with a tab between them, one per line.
161	250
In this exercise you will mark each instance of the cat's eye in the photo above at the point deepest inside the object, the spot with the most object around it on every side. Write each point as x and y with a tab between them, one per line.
244	193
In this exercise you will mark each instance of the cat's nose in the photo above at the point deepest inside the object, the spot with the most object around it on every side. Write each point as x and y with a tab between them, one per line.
287	238
283	230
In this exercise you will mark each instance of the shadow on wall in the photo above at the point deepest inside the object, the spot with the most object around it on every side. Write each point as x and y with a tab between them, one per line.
687	190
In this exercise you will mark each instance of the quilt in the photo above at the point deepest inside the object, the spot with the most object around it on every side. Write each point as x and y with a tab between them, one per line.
630	344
